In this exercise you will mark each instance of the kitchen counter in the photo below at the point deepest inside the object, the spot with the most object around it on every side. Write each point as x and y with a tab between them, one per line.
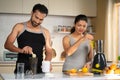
13	63
57	76
9	66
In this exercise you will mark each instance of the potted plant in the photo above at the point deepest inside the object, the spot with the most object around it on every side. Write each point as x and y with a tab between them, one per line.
119	59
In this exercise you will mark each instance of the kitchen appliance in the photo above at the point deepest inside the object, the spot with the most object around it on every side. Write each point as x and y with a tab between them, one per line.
33	64
99	61
9	56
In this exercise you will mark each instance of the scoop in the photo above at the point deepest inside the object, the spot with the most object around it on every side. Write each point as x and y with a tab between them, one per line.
33	55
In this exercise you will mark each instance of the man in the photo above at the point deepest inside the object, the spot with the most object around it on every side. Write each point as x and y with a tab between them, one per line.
31	38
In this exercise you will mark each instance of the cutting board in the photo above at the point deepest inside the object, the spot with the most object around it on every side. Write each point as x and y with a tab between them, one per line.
79	74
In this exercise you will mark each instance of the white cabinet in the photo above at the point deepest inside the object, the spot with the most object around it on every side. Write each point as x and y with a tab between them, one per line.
87	7
19	6
8	67
55	7
61	7
28	5
10	6
72	7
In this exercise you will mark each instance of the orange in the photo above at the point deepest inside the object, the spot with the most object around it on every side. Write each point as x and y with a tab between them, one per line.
84	69
113	66
110	72
117	71
72	70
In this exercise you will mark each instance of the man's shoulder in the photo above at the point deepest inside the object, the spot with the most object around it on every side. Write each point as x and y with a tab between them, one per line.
19	25
45	30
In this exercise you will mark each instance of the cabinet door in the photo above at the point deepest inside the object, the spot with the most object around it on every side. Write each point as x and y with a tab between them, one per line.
72	7
28	5
61	7
10	6
87	7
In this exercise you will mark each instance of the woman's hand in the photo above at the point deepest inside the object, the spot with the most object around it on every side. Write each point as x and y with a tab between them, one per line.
88	65
89	36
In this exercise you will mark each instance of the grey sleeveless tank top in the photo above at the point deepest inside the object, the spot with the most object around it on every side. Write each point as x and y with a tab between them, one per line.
78	59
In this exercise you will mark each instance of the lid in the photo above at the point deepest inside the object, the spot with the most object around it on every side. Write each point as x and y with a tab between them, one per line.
99	46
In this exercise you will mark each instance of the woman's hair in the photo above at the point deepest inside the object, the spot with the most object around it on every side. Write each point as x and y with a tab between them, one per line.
77	19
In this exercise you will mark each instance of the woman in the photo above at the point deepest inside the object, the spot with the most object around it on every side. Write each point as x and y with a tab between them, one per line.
77	46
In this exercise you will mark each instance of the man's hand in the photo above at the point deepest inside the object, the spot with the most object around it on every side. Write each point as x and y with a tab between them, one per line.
26	50
50	67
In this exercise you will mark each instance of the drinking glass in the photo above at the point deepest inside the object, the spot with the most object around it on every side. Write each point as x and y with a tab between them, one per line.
33	65
45	66
20	70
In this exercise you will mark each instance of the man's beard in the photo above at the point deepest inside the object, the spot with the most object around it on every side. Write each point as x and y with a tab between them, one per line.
34	24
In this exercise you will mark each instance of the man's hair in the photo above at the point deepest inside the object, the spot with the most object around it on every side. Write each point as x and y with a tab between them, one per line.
40	7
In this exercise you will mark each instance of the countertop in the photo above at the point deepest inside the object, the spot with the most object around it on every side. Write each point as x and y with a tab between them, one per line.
9	66
58	76
13	63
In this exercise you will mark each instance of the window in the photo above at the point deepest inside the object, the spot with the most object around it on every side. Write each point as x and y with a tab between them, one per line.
111	31
119	29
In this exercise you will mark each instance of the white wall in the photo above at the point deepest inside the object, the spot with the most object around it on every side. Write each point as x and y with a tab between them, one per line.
7	21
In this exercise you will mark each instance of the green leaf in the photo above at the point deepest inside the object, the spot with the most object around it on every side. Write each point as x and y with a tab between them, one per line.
118	57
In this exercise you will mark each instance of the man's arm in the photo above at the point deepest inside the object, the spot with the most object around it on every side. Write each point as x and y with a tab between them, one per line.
9	43
48	47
